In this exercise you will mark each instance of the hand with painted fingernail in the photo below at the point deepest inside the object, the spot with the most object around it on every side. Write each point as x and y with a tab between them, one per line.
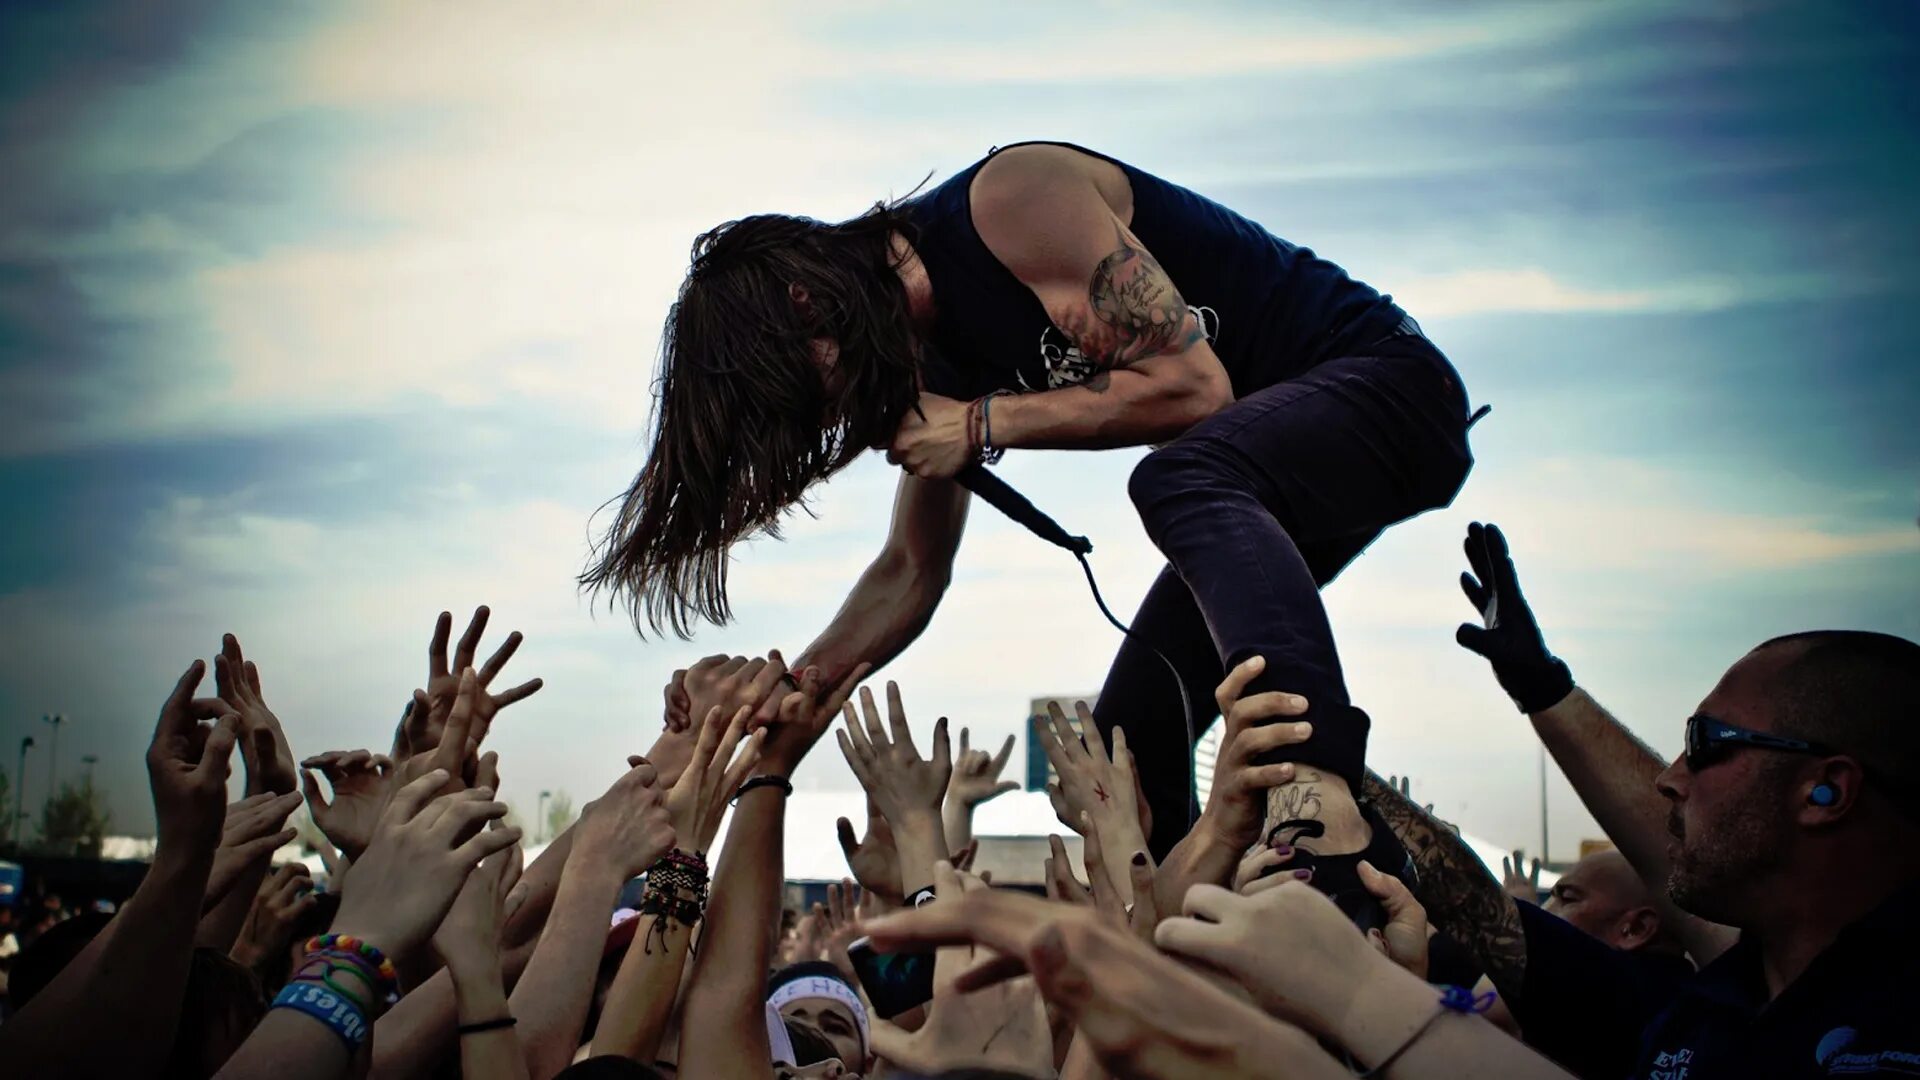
1261	862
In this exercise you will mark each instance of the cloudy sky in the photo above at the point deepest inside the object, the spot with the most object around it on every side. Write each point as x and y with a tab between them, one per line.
317	319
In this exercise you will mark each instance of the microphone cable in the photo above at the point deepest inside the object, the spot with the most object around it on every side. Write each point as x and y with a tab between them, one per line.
1002	497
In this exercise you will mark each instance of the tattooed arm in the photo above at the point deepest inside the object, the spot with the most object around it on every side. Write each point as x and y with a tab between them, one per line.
1462	897
1057	219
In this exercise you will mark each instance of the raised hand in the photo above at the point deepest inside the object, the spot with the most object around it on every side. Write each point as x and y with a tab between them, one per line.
422	729
1142	1014
698	798
1287	944
360	781
187	765
1062	886
629	827
874	860
458	751
470	934
803	716
903	784
1508	636
284	896
730	683
1238	804
678	714
1520	884
840	926
1097	791
252	831
976	774
1404	938
1003	1026
809	937
263	743
423	848
672	750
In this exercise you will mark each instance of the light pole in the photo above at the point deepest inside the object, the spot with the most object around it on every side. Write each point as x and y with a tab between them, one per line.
1544	857
53	752
540	827
20	793
89	760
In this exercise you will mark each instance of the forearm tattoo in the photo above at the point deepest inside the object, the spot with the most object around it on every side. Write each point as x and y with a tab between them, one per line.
1135	313
1462	897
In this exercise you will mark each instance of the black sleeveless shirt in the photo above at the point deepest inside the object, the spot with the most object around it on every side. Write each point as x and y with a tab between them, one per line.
1271	310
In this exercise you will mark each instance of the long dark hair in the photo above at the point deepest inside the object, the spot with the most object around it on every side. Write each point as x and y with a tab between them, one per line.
743	422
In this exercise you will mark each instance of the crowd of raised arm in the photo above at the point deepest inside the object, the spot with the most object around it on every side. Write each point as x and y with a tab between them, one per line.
1758	888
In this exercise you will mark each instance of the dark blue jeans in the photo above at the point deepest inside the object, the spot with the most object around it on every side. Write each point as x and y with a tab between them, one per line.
1255	509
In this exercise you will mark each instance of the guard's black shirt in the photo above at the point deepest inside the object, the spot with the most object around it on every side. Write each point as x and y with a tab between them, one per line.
1855	1011
1584	1004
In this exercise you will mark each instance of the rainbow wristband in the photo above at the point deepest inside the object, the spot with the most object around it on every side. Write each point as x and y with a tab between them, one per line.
380	970
340	1015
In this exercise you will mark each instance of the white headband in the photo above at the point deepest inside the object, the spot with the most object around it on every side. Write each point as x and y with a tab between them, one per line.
819	986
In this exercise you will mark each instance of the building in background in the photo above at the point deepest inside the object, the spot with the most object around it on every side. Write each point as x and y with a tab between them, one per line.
1039	769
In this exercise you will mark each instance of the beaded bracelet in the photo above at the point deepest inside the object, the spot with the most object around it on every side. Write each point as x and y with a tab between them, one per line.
382	974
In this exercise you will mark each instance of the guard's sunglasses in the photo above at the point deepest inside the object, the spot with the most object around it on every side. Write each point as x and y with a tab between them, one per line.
1711	741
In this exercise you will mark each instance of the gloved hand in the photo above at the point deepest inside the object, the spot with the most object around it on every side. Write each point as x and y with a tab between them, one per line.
1509	638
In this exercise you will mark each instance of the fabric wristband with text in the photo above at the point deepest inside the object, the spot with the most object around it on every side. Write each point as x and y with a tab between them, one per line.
340	1015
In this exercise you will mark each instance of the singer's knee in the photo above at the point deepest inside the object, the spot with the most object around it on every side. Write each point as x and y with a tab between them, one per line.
1183	468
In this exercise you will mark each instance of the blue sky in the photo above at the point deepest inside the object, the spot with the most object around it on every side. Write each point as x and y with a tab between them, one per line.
313	324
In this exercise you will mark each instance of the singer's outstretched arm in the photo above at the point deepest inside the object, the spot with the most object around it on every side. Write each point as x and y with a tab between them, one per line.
893	601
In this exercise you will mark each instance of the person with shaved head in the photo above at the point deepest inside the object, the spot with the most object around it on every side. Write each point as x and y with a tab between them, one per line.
1604	897
1783	844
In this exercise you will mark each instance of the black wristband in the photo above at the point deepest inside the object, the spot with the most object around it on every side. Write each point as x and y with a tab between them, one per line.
1536	687
769	780
486	1025
921	898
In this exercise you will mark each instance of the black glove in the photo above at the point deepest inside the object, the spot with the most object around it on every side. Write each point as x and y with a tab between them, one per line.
1510	640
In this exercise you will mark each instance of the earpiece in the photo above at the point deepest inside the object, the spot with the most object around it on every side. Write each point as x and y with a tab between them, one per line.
1821	795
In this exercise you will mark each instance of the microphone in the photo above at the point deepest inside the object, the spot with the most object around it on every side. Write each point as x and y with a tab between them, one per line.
1002	497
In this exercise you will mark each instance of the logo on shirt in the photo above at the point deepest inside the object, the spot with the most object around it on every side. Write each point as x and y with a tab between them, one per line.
1065	365
1671	1065
1835	1052
1833	1042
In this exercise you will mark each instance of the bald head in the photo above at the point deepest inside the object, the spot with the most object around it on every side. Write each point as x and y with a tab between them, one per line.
1603	896
1854	690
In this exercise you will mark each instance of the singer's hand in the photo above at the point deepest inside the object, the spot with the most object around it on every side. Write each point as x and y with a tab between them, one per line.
932	441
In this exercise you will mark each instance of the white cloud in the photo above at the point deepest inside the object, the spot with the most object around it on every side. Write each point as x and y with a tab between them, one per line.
1532	289
1536	290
